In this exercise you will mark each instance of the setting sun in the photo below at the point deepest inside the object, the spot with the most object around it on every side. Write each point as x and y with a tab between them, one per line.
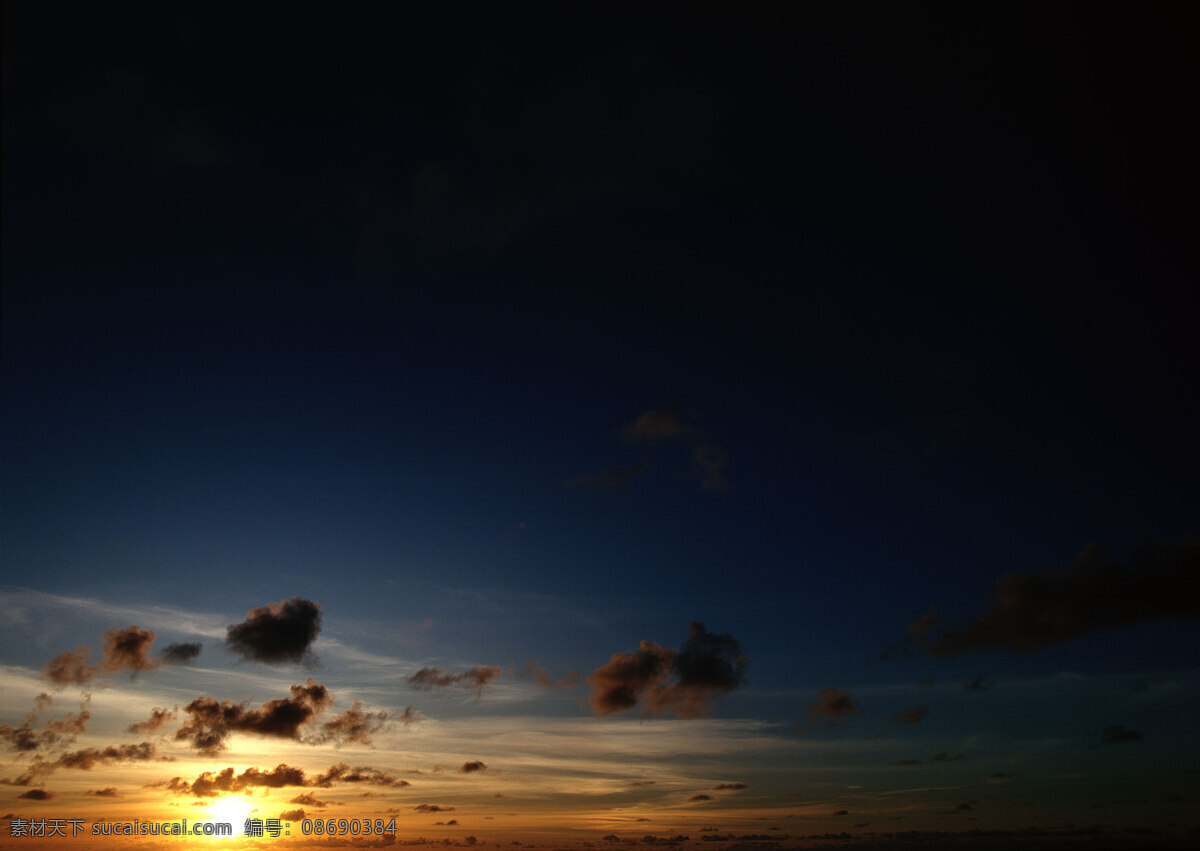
233	810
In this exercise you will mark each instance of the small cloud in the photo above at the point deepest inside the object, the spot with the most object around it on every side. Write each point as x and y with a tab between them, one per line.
128	649
106	792
353	725
700	797
733	786
159	717
476	678
472	766
308	799
980	683
292	815
543	678
1036	610
832	705
181	654
841	813
432	808
409	716
71	667
276	633
915	715
37	795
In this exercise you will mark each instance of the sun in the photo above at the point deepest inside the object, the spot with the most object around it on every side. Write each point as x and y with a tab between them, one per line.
233	810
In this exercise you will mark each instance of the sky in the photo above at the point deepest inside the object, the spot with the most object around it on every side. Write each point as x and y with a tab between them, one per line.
727	426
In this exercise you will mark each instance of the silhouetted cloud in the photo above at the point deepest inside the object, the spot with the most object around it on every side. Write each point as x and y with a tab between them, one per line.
343	773
29	736
210	784
432	808
276	633
610	478
1119	733
211	721
915	715
181	654
353	725
1035	610
159	717
128	649
292	815
831	706
476	678
106	792
308	799
543	678
734	786
89	758
699	796
708	664
472	766
71	667
37	795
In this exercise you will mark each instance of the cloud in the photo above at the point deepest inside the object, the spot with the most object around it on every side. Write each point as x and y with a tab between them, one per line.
89	758
980	683
28	737
106	792
654	426
210	784
37	795
308	799
157	720
277	633
1036	610
700	796
181	654
71	667
472	766
210	722
432	808
409	716
1119	733
343	773
735	786
832	705
292	815
543	678
915	715
476	678
128	649
708	664
353	725
610	478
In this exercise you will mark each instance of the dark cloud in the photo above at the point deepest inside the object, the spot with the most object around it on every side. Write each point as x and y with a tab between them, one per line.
915	715
353	725
71	667
1035	610
831	706
432	808
210	784
409	716
277	633
1119	733
708	664
106	792
211	721
543	678
159	717
292	815
980	683
472	766
700	796
721	786
181	654
476	678
343	773
37	795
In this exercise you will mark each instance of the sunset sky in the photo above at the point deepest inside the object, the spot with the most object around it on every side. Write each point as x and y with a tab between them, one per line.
727	426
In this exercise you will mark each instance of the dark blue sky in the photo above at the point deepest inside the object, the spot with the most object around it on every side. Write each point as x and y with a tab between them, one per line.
369	314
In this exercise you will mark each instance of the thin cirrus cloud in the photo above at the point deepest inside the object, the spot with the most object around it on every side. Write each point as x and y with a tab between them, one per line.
1036	610
665	680
277	633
